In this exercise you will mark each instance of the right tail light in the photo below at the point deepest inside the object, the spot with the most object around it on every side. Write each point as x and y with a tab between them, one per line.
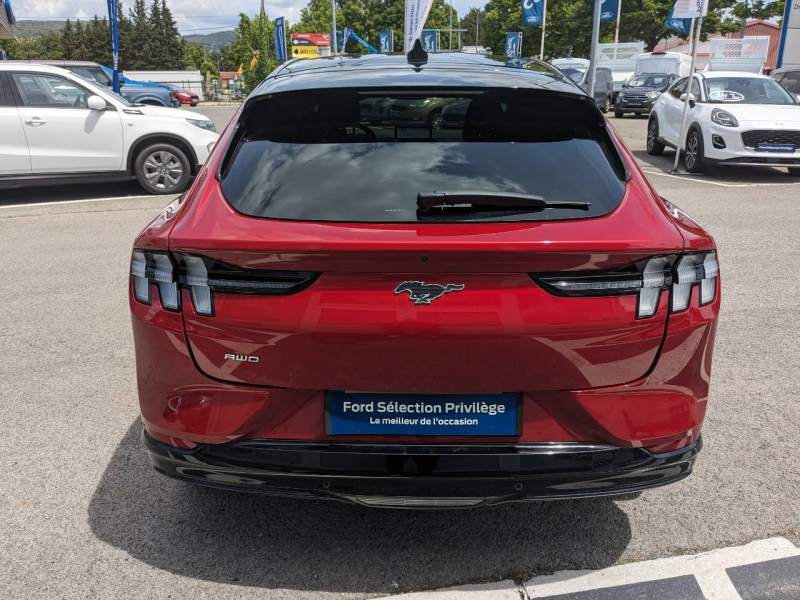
646	278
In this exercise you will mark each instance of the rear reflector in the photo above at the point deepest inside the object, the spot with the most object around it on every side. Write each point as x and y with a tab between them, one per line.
203	276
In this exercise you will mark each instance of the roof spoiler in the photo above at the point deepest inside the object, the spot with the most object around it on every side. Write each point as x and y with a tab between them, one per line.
417	56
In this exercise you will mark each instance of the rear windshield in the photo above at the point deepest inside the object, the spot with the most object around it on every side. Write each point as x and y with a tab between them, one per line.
365	156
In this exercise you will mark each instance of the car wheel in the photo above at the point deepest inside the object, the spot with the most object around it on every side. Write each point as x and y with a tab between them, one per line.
162	169
794	171
435	119
152	103
693	156
654	147
606	105
618	115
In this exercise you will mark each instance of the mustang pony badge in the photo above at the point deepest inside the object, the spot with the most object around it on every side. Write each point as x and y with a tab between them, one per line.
425	293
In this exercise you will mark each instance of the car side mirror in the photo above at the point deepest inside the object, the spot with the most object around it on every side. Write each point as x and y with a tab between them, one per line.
692	99
95	103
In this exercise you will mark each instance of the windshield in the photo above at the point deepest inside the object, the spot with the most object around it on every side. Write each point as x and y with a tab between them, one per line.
654	81
575	75
365	156
746	90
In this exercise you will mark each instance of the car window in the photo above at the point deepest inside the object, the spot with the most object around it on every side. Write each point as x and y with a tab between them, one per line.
49	91
778	77
654	81
746	90
791	82
364	156
678	88
5	99
576	75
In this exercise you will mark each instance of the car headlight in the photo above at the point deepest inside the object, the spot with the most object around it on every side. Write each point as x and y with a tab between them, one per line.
653	95
724	118
207	125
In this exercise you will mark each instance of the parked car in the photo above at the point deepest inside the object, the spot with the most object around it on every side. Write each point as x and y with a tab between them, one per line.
603	85
639	94
404	316
135	94
734	118
57	126
418	111
789	78
183	96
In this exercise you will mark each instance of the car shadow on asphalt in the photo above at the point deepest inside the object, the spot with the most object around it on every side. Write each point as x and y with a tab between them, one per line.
728	175
269	542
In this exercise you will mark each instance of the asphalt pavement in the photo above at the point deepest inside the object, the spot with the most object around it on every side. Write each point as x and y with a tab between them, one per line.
82	515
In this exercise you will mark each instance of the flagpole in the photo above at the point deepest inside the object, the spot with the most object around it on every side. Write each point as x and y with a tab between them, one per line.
544	21
598	7
450	39
616	32
335	37
688	93
691	35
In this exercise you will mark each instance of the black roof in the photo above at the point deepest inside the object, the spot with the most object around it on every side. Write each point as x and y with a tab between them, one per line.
442	70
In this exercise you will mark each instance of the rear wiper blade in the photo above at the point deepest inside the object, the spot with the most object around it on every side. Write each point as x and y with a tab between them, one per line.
482	200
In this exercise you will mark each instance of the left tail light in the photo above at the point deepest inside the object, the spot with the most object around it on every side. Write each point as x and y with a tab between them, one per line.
203	276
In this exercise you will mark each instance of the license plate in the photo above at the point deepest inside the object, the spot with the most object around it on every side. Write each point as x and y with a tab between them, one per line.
350	413
775	148
634	104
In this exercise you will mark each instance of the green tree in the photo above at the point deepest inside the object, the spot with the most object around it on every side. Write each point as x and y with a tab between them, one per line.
68	40
137	51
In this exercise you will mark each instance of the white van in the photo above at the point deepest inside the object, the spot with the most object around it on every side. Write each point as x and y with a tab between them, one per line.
664	62
570	63
621	60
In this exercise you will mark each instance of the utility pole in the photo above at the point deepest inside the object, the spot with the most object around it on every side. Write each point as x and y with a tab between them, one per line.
477	31
598	7
335	39
544	20
450	39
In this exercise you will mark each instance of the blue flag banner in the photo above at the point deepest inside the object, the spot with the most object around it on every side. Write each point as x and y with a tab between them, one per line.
280	39
608	10
513	44
683	26
429	40
347	33
386	41
532	13
113	25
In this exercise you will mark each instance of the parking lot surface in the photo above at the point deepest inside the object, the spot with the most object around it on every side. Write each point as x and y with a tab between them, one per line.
84	516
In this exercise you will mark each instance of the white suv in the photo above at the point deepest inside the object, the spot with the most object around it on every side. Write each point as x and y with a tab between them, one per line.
734	118
56	126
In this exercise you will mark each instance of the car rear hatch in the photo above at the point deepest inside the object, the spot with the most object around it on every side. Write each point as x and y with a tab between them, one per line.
318	263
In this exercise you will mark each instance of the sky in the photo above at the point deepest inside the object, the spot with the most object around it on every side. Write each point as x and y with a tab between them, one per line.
192	16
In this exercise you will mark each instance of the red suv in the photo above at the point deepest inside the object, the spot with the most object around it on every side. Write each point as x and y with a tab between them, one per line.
395	314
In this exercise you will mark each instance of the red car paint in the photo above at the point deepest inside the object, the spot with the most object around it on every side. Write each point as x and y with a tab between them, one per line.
588	369
186	97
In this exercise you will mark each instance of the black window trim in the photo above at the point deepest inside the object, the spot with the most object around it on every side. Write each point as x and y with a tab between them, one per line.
5	97
21	103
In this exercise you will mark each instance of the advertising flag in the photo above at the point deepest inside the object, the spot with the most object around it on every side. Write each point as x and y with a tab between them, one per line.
280	39
689	9
429	40
416	15
608	10
532	13
386	41
683	26
513	44
347	33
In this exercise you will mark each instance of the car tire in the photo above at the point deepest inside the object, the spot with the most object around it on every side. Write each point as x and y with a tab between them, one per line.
606	105
435	119
618	115
794	171
162	169
693	153
654	147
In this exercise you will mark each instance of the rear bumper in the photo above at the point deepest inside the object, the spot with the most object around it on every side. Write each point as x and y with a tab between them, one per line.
423	476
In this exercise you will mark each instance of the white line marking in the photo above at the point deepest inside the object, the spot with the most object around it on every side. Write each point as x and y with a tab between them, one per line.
719	183
708	568
59	202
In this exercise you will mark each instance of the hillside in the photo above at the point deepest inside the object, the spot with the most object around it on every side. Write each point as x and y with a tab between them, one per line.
218	39
31	28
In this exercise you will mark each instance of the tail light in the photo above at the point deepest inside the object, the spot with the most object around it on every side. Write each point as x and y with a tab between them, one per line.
646	278
203	276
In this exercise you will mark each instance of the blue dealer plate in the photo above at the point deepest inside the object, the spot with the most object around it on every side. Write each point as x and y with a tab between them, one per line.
788	148
349	413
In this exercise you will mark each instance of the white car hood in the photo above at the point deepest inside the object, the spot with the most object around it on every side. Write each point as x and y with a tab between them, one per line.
776	116
175	113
